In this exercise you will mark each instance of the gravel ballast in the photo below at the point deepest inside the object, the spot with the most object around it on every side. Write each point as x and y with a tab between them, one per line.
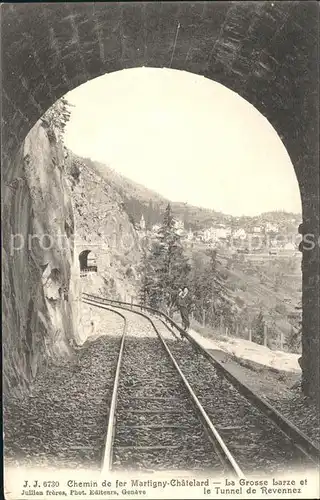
63	424
276	388
256	444
302	412
157	427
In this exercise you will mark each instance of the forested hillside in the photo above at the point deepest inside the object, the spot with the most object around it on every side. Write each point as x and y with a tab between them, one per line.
258	301
139	200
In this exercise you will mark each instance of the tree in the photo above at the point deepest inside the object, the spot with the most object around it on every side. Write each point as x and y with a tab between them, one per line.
293	340
145	288
56	118
258	329
209	291
149	215
166	268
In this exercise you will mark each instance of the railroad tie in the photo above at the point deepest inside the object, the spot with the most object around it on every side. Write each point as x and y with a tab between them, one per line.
155	426
148	448
169	410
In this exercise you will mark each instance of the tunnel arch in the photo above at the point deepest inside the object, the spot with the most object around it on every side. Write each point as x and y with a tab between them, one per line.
267	52
88	261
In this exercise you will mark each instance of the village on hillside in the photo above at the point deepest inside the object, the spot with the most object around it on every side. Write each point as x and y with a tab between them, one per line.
264	241
260	268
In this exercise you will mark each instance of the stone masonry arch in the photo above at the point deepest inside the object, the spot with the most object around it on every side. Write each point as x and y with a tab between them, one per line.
265	51
88	261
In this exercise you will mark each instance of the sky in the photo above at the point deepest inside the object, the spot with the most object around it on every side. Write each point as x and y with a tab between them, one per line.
187	137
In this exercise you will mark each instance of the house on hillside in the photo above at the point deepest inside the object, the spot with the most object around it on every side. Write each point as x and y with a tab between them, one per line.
239	234
271	228
155	228
289	246
223	232
142	224
209	234
214	234
198	236
179	227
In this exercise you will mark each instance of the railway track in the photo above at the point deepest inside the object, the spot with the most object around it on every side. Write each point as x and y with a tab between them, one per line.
155	420
152	424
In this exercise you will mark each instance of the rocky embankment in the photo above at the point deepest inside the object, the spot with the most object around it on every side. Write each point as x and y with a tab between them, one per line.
40	268
104	229
55	207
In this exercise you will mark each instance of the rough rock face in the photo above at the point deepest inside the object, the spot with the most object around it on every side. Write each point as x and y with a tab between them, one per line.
40	268
104	229
104	232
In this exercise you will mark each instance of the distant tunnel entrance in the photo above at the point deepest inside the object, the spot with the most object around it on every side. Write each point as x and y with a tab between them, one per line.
88	262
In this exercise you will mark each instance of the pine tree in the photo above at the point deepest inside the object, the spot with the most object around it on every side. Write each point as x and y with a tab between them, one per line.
166	266
209	291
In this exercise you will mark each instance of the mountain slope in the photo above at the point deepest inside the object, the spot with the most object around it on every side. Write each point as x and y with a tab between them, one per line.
139	200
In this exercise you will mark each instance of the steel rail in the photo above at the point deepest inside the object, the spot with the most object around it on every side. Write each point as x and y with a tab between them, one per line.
106	465
298	438
250	395
220	447
222	450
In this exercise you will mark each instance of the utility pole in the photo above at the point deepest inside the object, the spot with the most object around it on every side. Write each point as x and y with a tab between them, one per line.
265	335
281	340
221	325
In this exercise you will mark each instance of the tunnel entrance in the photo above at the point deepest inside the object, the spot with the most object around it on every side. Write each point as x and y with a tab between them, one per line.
88	262
252	63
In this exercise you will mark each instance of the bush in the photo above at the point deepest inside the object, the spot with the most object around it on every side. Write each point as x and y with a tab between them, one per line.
56	119
75	172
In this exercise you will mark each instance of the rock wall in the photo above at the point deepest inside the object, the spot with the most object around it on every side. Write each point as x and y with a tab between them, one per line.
40	269
103	227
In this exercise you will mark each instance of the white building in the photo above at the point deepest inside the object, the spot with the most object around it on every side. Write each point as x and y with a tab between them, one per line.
179	227
142	224
190	235
272	228
222	232
215	233
155	228
257	229
239	234
208	235
289	246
